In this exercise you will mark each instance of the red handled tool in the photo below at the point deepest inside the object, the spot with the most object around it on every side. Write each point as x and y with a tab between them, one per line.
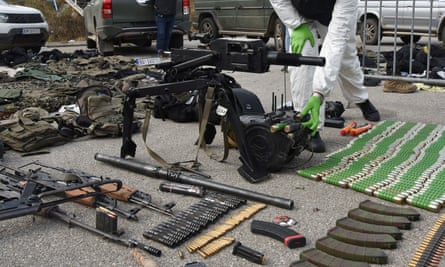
361	129
347	129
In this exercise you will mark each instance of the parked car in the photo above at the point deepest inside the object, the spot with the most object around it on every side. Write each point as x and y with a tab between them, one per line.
22	26
401	16
251	18
115	22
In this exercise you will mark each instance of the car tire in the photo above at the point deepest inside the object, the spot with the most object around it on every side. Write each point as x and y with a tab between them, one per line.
279	36
105	48
372	36
265	39
36	49
406	39
91	43
208	25
177	40
441	37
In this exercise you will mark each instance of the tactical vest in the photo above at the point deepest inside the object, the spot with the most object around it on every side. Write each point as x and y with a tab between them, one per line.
31	129
320	10
100	112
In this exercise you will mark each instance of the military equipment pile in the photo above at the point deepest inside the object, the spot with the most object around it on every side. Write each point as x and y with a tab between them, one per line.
76	95
55	84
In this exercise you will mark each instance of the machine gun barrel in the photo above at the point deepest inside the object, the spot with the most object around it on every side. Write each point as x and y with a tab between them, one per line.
180	177
202	60
288	59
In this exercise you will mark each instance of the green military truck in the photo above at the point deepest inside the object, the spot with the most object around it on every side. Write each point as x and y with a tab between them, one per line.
110	23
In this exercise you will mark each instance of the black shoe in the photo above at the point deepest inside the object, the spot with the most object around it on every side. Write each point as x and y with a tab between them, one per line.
369	111
316	145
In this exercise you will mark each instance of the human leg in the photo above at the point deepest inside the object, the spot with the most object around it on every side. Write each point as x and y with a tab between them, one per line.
161	37
350	81
170	22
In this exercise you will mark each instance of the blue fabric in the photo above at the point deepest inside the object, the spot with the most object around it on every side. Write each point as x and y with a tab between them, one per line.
165	28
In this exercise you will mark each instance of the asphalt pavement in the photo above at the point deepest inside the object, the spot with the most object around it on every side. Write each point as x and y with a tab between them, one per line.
38	241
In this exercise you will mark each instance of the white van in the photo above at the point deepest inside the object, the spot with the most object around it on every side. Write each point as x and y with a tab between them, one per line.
421	18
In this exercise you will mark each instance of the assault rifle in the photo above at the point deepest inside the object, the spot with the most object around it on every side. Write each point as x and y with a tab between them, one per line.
125	193
36	184
200	69
25	197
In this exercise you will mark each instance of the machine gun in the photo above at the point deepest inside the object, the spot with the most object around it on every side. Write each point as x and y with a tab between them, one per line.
200	69
35	184
25	197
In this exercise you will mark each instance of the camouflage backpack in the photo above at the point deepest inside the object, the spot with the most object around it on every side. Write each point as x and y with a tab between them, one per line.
31	129
100	112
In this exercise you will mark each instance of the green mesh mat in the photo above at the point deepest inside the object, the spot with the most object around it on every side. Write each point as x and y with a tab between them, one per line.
401	162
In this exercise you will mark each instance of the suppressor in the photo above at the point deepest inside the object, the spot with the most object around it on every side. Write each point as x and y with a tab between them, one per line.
180	177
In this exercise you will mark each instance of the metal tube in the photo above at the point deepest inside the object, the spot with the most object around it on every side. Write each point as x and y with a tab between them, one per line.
180	177
55	212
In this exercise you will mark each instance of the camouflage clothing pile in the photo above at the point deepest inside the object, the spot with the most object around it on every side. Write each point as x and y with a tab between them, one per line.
63	80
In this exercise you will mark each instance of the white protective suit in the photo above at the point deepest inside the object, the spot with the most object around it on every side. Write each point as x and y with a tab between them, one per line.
339	49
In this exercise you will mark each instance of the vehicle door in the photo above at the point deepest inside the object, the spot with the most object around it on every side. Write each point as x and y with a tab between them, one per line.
251	15
388	11
420	14
224	11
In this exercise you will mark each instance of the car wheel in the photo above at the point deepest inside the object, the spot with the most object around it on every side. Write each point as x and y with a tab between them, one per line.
144	42
207	25
105	48
91	43
279	36
442	35
265	39
371	31
407	39
36	49
177	40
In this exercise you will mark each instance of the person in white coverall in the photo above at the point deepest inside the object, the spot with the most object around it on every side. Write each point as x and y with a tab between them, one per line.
335	22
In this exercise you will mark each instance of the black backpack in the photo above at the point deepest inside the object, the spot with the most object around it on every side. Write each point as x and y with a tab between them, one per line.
177	107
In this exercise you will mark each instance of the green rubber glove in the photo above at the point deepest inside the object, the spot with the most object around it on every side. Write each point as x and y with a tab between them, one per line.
313	107
299	36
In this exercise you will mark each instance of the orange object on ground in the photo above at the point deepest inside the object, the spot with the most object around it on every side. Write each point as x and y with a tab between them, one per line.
361	129
348	128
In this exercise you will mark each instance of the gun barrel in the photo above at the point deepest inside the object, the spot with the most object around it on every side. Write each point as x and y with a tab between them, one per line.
56	212
288	59
180	177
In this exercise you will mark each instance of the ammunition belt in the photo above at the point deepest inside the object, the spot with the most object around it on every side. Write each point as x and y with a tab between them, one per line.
402	162
186	223
432	249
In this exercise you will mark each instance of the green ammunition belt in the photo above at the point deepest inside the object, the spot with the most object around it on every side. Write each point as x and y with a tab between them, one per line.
401	162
